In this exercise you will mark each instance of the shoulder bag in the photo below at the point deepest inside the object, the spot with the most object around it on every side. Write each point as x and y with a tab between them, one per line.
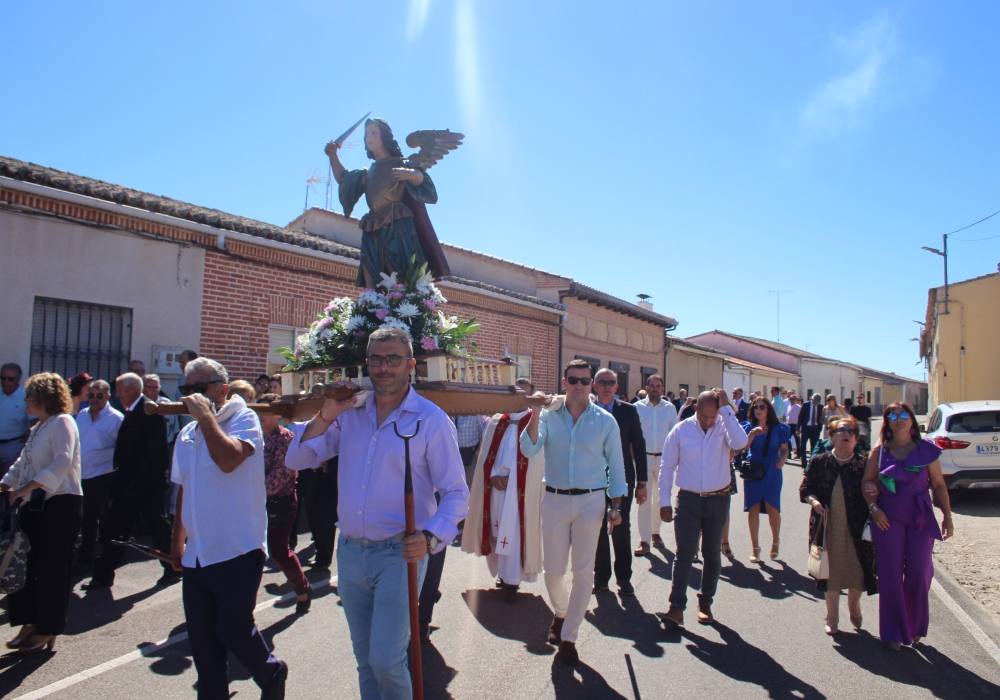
751	470
14	548
819	558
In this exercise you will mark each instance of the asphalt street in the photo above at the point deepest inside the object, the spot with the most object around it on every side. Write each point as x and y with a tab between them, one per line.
768	641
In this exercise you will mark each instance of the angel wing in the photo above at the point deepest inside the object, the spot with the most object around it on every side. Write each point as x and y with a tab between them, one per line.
434	144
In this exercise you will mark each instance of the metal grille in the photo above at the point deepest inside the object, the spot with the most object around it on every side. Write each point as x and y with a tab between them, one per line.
70	336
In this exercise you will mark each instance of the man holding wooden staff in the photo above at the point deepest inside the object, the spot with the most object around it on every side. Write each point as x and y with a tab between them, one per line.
374	551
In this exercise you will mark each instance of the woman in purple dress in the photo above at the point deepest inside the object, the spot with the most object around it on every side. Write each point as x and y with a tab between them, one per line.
900	470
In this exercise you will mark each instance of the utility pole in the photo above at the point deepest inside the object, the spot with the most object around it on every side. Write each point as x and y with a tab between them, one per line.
943	252
777	293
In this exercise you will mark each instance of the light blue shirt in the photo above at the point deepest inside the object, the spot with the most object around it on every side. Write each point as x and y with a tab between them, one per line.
13	414
370	475
780	407
97	440
584	455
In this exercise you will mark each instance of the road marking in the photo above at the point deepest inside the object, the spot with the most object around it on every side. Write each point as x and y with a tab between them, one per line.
988	645
149	650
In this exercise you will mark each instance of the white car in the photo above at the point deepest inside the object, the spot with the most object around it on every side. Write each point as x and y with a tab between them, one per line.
968	433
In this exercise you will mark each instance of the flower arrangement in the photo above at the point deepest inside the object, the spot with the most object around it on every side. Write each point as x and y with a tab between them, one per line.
339	335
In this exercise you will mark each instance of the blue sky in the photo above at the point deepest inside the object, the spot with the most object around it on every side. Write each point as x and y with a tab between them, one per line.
700	153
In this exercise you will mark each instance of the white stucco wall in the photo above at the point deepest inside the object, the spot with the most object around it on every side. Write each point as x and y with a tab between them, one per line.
820	376
160	281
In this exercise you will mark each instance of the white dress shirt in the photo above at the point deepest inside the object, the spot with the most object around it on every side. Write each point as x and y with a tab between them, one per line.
793	413
97	440
224	514
657	422
51	457
371	468
14	419
699	458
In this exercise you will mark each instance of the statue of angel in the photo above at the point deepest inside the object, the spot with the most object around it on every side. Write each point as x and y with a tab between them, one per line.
396	231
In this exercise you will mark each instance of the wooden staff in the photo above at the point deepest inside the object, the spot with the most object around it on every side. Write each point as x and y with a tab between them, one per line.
416	660
145	549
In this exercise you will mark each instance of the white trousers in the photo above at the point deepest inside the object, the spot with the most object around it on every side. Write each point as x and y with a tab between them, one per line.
649	512
570	528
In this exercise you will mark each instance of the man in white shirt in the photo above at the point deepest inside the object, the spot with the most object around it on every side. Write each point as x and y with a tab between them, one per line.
658	417
220	531
98	425
696	458
14	420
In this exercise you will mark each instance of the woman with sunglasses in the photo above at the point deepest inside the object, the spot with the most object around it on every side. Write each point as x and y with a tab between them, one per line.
45	480
832	486
900	470
769	442
831	410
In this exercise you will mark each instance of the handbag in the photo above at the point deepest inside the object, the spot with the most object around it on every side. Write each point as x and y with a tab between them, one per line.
819	558
14	548
754	471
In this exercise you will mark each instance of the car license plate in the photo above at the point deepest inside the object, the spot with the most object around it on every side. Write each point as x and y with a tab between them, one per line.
988	449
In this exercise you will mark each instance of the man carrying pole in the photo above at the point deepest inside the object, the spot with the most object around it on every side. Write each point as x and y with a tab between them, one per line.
374	550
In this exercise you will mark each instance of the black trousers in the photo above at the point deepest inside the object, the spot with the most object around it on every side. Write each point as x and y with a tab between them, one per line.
430	590
697	517
96	495
810	438
218	607
318	496
621	540
52	533
128	505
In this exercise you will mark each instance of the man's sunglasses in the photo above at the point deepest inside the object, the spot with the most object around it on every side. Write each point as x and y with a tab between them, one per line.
847	431
199	388
92	396
388	360
895	417
585	381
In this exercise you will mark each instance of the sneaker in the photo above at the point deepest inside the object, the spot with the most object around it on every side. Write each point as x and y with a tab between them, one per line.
275	690
555	630
567	654
642	550
674	617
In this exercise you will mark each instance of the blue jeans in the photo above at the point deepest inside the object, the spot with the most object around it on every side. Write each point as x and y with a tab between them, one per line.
371	580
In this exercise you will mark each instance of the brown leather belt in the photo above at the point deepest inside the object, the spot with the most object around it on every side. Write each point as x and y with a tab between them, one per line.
655	454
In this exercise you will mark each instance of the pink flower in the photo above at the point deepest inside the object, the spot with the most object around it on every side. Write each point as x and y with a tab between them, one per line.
429	304
381	314
395	295
429	343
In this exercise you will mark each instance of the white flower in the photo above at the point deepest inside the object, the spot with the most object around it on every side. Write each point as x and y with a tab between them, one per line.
446	323
302	342
425	282
406	310
436	294
354	323
391	322
370	297
388	281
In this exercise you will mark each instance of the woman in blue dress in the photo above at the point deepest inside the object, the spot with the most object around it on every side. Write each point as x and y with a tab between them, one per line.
769	442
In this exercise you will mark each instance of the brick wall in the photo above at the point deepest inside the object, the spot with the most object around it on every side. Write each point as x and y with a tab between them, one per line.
250	288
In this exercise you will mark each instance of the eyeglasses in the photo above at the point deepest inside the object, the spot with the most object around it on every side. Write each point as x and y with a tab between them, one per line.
896	417
846	431
388	360
585	381
95	396
198	388
606	382
760	407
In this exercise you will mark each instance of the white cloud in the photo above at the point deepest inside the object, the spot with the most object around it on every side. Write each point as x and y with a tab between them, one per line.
416	20
841	101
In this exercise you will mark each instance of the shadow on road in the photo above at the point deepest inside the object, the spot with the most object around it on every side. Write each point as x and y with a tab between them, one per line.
580	681
744	662
527	620
983	503
15	668
662	567
437	673
99	608
626	619
780	581
923	667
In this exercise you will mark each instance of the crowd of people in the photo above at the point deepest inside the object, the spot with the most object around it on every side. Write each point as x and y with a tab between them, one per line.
552	488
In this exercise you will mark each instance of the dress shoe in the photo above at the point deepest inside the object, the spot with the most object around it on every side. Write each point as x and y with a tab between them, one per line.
705	616
302	604
567	654
626	590
169	578
97	584
642	550
555	630
674	617
600	588
657	541
23	636
275	690
37	643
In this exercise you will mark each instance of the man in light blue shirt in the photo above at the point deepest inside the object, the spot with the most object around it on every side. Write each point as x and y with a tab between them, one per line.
780	404
583	464
14	420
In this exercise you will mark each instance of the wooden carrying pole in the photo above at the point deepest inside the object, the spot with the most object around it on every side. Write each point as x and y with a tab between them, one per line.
416	660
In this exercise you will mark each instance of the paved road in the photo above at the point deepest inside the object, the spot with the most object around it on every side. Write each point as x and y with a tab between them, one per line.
769	641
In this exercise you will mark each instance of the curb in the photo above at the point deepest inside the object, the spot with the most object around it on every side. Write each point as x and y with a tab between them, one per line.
989	625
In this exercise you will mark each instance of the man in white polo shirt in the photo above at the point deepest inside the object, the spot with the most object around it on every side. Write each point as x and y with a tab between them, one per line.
658	417
696	458
220	531
98	425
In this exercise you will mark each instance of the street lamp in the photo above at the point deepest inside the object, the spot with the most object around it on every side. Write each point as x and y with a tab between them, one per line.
944	254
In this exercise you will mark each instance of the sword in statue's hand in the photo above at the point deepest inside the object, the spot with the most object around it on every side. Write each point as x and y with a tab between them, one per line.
339	141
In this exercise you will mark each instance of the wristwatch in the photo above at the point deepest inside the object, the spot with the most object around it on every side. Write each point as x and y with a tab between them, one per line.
432	541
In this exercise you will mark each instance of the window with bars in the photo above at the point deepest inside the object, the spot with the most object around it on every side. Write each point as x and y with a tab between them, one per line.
72	336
